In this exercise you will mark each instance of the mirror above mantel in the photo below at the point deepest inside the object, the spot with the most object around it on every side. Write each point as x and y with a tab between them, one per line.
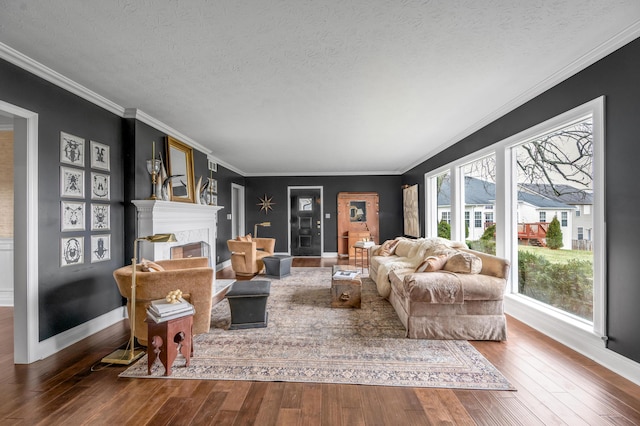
180	165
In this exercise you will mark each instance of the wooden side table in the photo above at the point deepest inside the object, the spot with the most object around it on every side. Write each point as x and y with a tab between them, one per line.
166	337
363	254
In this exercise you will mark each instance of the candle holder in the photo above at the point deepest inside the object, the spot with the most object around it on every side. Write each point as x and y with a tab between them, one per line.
153	167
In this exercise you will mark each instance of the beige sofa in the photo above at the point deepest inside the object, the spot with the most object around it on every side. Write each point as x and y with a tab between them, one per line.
463	302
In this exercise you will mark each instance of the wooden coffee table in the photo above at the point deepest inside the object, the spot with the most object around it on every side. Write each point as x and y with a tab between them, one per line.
346	292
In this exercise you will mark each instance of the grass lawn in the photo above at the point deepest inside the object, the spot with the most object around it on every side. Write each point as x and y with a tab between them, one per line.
558	256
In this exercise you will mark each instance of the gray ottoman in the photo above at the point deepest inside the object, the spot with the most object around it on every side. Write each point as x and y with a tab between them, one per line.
277	266
248	303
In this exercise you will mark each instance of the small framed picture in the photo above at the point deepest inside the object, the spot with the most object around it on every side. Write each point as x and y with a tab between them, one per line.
213	183
100	186
100	217
71	149
71	251
100	156
100	248
71	182
214	200
72	216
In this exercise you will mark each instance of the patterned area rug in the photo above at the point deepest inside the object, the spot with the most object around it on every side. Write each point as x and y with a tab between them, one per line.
308	341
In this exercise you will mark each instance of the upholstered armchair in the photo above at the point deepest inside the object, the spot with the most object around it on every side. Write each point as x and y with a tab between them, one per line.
192	276
246	256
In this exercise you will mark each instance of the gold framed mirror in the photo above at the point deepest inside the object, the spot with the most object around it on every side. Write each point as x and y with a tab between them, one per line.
180	165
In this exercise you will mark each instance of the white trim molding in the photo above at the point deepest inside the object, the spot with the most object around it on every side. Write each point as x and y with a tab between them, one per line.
574	334
6	265
16	58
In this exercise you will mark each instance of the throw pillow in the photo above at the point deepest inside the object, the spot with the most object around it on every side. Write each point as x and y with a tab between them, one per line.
245	238
463	263
383	250
149	266
432	263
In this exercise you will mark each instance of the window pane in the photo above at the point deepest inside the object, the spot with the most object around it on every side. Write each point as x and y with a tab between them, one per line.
480	198
443	188
555	174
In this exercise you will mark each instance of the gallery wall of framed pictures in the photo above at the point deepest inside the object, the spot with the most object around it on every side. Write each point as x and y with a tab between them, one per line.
81	212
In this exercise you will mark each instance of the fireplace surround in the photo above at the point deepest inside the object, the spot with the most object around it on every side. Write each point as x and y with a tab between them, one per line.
191	223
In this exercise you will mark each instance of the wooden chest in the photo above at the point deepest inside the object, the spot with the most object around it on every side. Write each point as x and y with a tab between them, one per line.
345	293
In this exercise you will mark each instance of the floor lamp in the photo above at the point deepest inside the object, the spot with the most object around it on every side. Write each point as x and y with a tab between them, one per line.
130	354
255	227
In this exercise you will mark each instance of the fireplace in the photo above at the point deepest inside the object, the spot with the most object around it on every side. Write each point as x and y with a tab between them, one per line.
191	224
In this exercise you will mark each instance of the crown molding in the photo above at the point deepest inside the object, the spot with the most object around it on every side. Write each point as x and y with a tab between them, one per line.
616	42
297	174
16	58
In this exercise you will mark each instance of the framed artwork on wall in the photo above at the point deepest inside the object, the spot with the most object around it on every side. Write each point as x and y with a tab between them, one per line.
72	216
71	182
100	156
71	251
100	186
100	248
71	149
100	217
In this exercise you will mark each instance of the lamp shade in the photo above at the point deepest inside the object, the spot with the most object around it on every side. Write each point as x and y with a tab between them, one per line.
160	238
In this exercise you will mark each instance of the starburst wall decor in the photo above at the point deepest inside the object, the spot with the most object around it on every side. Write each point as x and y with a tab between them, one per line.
266	204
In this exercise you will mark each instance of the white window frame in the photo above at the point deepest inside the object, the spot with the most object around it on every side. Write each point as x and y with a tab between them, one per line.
539	315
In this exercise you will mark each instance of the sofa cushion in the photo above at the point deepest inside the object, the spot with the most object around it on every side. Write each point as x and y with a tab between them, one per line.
432	263
463	263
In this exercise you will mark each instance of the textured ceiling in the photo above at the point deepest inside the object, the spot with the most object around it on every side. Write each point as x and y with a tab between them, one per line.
314	87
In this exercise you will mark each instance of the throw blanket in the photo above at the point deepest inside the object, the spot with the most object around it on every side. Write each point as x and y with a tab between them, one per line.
446	290
424	247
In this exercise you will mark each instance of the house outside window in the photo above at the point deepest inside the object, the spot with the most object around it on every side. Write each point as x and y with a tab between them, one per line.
467	219
488	219
543	217
478	220
446	216
580	233
564	221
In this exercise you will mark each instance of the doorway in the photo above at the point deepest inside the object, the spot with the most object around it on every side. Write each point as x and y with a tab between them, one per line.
305	221
237	210
26	343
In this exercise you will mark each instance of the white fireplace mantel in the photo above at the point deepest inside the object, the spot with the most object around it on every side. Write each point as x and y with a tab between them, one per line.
190	223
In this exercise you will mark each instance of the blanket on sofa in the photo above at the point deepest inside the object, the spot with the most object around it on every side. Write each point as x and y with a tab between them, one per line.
420	249
447	290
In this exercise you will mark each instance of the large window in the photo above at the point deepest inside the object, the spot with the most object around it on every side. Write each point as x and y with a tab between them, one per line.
519	193
557	168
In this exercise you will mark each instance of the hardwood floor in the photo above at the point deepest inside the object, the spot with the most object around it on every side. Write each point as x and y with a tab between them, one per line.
555	386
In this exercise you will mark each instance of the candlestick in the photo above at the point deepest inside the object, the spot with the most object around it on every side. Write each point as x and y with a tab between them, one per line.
153	150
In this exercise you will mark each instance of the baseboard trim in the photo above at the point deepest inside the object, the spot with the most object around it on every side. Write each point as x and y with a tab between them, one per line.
580	339
6	298
221	266
67	338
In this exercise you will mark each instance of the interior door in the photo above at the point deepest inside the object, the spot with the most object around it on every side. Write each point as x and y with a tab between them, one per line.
305	221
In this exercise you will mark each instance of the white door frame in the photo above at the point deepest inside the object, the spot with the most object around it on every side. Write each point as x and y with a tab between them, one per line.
237	210
26	342
321	189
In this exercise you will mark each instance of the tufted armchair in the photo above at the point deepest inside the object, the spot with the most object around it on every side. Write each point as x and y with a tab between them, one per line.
192	276
247	255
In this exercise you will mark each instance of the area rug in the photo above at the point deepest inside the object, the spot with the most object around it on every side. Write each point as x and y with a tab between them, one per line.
308	341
